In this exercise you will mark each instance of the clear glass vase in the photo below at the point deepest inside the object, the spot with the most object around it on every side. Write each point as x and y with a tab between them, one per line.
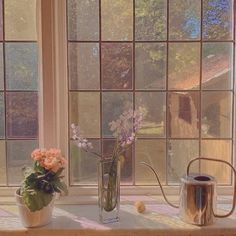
109	190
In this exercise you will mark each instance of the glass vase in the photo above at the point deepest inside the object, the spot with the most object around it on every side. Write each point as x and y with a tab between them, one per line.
109	190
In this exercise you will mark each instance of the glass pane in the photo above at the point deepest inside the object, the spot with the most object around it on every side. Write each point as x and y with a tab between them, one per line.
3	173
126	160
1	67
117	65
21	66
184	21
20	20
2	116
117	19
154	106
180	152
18	156
217	66
184	66
183	114
152	152
219	149
216	114
85	111
83	165
150	20
217	19
113	105
83	62
22	114
1	21
150	65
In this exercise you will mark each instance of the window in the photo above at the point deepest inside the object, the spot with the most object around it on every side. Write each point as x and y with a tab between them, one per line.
175	58
18	88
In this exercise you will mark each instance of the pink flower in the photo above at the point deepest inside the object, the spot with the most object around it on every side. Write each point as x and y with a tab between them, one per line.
37	155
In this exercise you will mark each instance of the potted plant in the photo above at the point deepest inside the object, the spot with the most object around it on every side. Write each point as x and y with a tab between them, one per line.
36	195
125	130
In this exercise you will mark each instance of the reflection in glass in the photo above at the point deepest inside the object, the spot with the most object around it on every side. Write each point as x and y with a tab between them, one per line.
2	116
117	20
1	21
21	66
153	103
217	19
183	114
150	20
85	111
217	66
126	160
180	152
184	66
18	156
219	149
22	114
83	20
216	114
117	65
3	173
113	105
152	152
1	67
20	19
184	21
83	62
150	65
83	165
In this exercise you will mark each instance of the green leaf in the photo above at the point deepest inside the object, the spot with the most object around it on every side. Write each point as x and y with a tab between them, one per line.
62	187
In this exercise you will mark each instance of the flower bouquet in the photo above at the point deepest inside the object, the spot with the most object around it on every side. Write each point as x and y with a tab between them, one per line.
124	130
36	195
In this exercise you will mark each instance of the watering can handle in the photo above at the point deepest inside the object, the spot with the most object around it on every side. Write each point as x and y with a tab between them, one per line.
227	163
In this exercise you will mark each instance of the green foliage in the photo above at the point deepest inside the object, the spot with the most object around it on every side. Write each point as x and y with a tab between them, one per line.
40	185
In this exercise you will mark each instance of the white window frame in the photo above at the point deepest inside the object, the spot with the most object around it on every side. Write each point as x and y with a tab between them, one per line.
53	102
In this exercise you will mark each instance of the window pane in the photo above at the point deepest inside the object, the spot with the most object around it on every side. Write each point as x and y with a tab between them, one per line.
1	21
117	65
154	105
180	152
183	114
22	114
150	65
1	67
2	116
150	20
184	66
125	161
184	21
85	111
3	174
20	19
83	20
83	165
217	19
113	105
216	114
83	61
217	66
18	157
117	19
154	153
21	66
219	149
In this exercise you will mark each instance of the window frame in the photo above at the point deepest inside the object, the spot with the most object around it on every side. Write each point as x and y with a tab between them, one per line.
53	101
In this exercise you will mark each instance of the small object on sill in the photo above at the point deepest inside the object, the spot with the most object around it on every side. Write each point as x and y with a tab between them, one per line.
140	206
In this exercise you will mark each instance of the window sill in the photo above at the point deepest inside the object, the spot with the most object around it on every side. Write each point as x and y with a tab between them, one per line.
159	219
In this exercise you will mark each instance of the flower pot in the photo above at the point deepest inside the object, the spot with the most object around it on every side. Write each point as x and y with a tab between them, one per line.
34	219
109	190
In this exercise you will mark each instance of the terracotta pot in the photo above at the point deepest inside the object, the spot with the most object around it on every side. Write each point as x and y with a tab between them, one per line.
34	219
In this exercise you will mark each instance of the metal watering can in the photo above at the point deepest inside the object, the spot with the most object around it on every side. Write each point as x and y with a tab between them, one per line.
197	202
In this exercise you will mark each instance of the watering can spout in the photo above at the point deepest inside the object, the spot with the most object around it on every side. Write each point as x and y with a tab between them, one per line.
159	182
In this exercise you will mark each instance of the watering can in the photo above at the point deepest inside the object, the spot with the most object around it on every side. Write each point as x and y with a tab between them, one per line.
197	202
